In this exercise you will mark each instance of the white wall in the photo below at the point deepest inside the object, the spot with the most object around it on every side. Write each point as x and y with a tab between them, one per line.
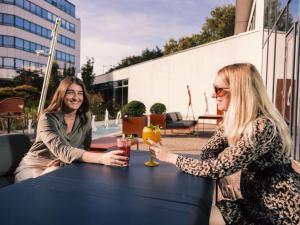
165	79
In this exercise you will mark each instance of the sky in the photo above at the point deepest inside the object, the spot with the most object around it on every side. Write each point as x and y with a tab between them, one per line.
114	29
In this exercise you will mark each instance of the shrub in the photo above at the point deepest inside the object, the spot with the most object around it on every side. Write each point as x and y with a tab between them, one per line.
134	108
27	89
158	108
7	92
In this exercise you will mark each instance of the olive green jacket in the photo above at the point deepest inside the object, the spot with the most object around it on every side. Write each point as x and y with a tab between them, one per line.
53	142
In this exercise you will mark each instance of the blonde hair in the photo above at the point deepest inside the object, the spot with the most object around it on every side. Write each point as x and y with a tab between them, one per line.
248	101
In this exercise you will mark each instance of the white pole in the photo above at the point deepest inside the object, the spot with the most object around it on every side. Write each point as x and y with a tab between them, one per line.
49	65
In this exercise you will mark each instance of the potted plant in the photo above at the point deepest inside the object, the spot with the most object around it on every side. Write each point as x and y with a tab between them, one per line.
158	117
133	118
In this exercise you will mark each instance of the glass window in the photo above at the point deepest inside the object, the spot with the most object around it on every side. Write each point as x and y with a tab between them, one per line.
26	65
38	47
63	56
49	16
67	58
1	62
280	6
1	18
72	43
58	55
27	5
32	8
19	3
44	13
67	41
72	27
26	25
44	32
281	24
49	34
8	19
72	58
32	47
63	23
294	12
38	10
32	27
54	17
8	41
19	63
1	40
26	45
19	43
8	62
9	1
39	30
19	22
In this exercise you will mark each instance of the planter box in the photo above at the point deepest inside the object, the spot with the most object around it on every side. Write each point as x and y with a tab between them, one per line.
158	119
134	125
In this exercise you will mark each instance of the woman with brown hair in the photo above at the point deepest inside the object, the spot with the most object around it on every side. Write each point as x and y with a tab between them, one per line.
64	134
253	139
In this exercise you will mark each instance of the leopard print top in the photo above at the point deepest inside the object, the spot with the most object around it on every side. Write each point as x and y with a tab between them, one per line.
267	178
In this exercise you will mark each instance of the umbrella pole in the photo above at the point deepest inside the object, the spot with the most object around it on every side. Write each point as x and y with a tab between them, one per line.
49	65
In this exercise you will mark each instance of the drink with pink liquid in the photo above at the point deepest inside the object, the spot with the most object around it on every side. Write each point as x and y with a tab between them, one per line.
124	144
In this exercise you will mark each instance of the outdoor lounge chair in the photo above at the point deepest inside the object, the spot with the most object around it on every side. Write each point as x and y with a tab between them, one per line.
12	109
13	148
174	121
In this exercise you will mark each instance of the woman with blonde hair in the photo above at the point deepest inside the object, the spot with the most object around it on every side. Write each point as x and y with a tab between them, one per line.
253	139
64	134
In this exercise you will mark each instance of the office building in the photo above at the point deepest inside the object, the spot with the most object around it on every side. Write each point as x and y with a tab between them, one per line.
26	25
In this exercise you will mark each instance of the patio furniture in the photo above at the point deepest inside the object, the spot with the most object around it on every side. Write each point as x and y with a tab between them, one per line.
92	194
158	120
13	148
174	121
218	118
12	109
105	143
134	125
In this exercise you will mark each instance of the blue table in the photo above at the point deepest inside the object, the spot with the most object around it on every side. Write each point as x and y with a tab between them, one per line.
93	194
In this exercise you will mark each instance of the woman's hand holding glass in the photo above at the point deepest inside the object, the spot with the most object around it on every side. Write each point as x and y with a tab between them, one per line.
113	158
160	153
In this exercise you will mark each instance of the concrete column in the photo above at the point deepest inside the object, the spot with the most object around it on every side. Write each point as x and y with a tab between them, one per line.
242	13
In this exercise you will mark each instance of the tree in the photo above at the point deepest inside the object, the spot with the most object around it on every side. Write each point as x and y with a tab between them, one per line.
54	81
87	74
69	72
32	78
220	25
170	47
145	56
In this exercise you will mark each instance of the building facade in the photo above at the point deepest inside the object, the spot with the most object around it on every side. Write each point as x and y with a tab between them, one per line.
269	39
26	25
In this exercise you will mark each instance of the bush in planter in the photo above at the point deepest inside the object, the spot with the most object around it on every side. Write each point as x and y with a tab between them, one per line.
158	108
134	109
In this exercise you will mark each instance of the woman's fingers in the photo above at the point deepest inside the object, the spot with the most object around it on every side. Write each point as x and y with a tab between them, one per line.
55	162
118	159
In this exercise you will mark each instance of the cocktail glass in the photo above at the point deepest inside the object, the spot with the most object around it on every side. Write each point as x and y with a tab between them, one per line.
152	133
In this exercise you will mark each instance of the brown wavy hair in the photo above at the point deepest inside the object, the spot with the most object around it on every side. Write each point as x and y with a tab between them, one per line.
57	102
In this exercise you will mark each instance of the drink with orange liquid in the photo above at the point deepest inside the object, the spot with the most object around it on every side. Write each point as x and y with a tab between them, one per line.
153	133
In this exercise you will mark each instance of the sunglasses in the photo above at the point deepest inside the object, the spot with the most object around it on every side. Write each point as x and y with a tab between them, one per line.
220	92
